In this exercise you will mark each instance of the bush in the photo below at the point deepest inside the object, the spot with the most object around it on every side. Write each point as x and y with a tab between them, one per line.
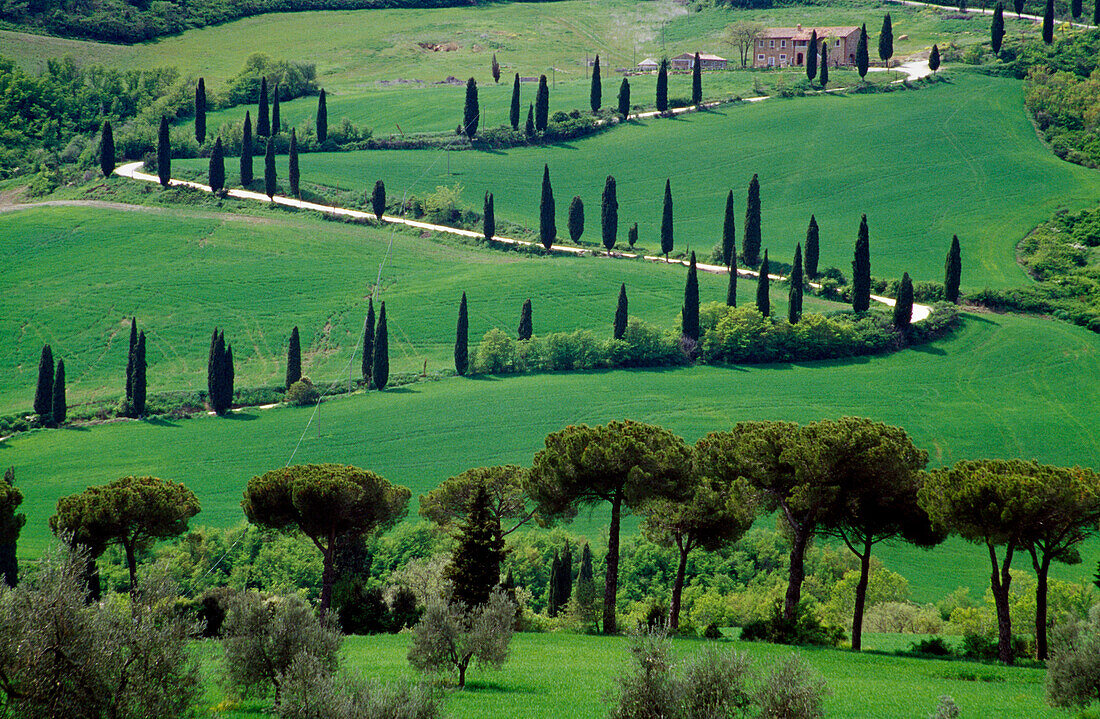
312	692
933	647
1073	670
302	393
791	690
805	628
946	709
712	632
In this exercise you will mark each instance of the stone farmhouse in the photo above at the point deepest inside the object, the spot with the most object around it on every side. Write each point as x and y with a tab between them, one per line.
788	46
707	61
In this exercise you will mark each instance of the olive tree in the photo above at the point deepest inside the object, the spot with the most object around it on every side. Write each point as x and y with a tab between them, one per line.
450	635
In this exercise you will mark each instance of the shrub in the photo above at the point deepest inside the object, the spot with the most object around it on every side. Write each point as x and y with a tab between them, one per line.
933	646
903	617
302	393
979	646
312	692
1073	670
715	683
791	690
804	628
946	709
712	632
496	353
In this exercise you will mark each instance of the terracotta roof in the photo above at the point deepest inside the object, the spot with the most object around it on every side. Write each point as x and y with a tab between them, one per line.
793	33
702	56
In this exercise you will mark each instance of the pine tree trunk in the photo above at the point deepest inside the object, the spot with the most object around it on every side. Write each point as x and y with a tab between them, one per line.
797	572
611	582
861	596
678	586
999	582
131	565
1042	569
328	576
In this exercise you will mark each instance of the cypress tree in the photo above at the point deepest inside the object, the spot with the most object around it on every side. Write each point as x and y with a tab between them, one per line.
246	151
548	229
565	577
525	328
494	67
263	123
750	245
200	112
552	586
381	373
609	214
619	327
997	29
474	570
378	200
462	343
59	408
886	41
861	269
270	180
624	96
811	57
632	235
212	368
729	232
903	305
216	169
140	366
794	292
513	110
471	112
131	358
666	221
1018	5
586	583
953	271
368	344
293	358
219	374
689	313
763	285
934	57
276	124
11	523
227	379
1076	7
575	222
662	87
824	70
322	118
1048	22
164	153
107	149
542	105
489	218
812	250
862	59
43	393
595	92
293	174
1096	12
696	82
529	126
731	288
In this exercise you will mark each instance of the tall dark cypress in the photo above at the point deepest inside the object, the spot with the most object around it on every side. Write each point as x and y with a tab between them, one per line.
886	41
609	214
219	380
953	271
575	219
861	269
293	174
381	373
322	118
619	327
689	313
1076	7
525	327
863	61
1096	12
903	305
474	570
565	576
1048	22
200	112
812	249
140	367
729	232
824	69
270	180
368	344
662	87
763	287
1018	6
513	109
378	200
552	587
548	228
276	120
212	367
731	288
488	218
107	149
293	358
164	153
632	235
794	291
696	82
529	126
462	341
934	56
997	29
59	408
216	168
263	121
811	57
471	111
43	393
624	97
666	221
227	379
542	105
246	151
750	245
131	357
11	524
595	92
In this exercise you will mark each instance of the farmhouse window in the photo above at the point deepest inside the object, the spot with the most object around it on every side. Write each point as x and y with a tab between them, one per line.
838	43
771	43
782	43
782	58
760	57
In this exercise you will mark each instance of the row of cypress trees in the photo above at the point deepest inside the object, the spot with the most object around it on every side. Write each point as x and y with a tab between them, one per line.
375	367
49	395
135	372
219	373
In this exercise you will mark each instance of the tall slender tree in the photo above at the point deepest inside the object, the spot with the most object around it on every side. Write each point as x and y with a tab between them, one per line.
138	405
378	200
1076	7
609	214
494	68
381	370
216	169
529	126
696	81
164	153
763	288
488	218
131	359
11	524
107	149
212	367
886	41
731	288
219	374
619	327
575	220
794	291
293	173
270	179
1018	6
934	57
666	221
552	586
474	571
824	69
368	344
624	97
750	244
43	393
462	341
953	271
322	118
548	228
812	249
513	110
200	111
632	235
471	111
542	105
811	57
903	304
59	408
276	115
1096	13
1048	22
293	358
863	61
246	151
263	120
662	87
861	269
997	29
525	327
689	313
595	92
729	232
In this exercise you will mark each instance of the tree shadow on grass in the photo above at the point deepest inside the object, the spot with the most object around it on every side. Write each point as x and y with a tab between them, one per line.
929	349
484	686
241	416
399	390
161	422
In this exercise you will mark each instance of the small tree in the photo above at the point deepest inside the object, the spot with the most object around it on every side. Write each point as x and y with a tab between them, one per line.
488	218
729	232
529	126
513	110
575	222
862	59
1048	22
595	92
246	152
378	200
621	317
322	118
953	271
59	407
494	67
368	343
1076	7
750	245
263	122
811	57
812	249
731	288
997	29
474	571
200	111
696	81
763	288
548	229
689	313
43	393
586	598
216	170
164	153
903	305
471	112
542	105
380	371
934	58
1018	6
886	41
276	119
524	332
794	291
861	270
632	235
824	71
666	221
609	214
624	98
270	180
293	174
450	635
662	87
462	342
293	358
107	149
1073	672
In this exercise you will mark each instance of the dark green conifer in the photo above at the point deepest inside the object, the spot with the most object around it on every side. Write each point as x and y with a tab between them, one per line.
474	570
270	180
525	328
462	342
200	112
824	69
322	118
666	221
11	523
863	61
216	168
575	221
495	68
131	358
1018	6
662	87
138	405
934	57
381	373
368	344
1048	22
812	249
219	374
609	214
471	111
276	120
565	577
513	110
689	313
212	368
632	235
107	149
861	269
696	82
903	305
763	287
293	174
293	358
552	586
595	92
59	408
953	271
794	291
1076	7
886	41
624	97
619	327
750	245
43	393
1095	12
227	379
488	218
811	57
731	288
378	200
997	29
542	105
246	151
548	228
587	593
164	153
263	121
729	232
529	126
